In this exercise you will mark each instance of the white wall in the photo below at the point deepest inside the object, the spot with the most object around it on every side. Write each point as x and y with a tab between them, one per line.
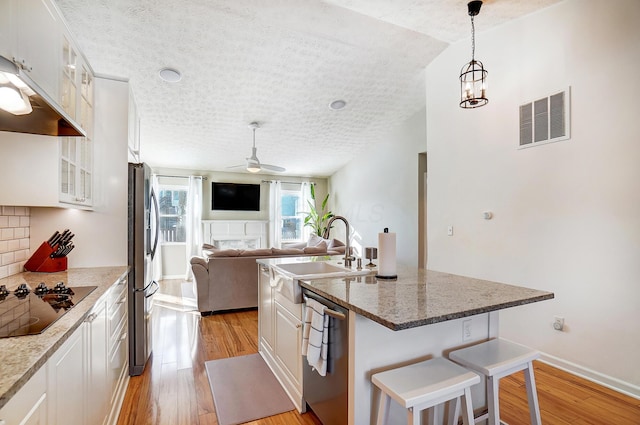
100	235
379	189
567	214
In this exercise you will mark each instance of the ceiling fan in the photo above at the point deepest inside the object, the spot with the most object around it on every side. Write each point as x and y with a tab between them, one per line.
253	164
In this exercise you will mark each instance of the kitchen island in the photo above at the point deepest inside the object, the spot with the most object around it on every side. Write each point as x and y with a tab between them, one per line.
22	357
419	315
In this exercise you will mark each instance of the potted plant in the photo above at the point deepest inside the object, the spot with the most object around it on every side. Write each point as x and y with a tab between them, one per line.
317	219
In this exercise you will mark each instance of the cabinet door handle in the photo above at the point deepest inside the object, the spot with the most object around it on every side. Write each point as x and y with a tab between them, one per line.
122	338
298	325
264	269
90	318
122	300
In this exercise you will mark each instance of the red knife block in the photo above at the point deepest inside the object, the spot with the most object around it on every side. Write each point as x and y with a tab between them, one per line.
41	260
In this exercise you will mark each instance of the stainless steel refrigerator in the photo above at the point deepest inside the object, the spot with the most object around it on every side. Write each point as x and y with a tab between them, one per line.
142	245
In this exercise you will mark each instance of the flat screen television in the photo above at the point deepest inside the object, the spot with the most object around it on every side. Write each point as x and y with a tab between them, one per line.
235	196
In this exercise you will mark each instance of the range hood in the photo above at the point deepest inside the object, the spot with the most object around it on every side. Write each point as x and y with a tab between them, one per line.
33	110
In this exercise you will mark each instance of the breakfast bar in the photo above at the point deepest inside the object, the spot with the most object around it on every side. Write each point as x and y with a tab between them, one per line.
420	315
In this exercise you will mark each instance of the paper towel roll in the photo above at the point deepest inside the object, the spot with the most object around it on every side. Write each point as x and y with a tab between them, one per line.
387	255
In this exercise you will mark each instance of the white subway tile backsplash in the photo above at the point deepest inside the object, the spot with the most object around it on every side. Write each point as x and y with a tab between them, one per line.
14	239
7	258
15	268
13	245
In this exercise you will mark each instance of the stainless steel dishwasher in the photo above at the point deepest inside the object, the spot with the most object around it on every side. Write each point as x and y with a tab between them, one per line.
327	395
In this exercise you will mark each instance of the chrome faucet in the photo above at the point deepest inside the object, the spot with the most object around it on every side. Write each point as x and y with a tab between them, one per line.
348	258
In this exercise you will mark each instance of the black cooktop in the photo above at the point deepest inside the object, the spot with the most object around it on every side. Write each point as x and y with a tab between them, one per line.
27	311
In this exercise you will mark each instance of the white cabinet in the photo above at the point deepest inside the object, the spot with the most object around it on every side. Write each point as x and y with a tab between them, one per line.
35	41
66	374
76	153
76	170
288	349
96	334
265	312
7	34
280	337
118	348
134	130
85	380
48	171
29	405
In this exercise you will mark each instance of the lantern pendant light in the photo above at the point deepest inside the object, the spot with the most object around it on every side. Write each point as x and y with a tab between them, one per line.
473	76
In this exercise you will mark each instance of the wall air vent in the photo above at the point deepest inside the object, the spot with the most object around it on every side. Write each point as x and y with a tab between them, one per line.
545	120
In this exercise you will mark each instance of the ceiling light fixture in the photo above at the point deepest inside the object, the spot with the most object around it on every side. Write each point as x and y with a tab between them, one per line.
170	75
337	105
473	77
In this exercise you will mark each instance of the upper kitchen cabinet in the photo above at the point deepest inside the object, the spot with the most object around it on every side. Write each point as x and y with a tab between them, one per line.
76	153
134	129
30	31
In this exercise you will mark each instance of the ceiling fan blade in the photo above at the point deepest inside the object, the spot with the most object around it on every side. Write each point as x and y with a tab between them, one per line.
237	166
272	168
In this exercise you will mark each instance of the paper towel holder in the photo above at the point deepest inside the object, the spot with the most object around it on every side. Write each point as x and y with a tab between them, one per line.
386	277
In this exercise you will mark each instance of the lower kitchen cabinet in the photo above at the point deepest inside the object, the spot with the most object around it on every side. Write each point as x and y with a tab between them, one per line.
66	374
280	336
85	380
265	312
288	349
96	333
29	405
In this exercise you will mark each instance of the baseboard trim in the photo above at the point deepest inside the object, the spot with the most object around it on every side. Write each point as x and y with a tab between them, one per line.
593	376
172	276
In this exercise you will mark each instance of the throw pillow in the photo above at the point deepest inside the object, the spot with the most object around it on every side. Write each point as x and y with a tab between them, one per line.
321	248
315	240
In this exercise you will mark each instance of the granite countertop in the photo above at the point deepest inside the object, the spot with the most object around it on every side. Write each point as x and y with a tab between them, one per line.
22	356
421	297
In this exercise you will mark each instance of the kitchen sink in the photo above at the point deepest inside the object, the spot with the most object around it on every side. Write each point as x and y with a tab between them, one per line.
285	277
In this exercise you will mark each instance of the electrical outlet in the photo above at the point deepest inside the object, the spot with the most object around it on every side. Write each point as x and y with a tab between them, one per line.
558	323
450	231
466	330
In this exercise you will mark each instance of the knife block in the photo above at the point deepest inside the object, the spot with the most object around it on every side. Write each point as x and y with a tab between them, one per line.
41	260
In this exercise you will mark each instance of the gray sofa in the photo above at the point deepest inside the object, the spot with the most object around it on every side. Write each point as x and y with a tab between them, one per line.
228	279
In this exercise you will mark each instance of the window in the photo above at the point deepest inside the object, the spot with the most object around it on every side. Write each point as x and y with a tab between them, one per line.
293	212
172	203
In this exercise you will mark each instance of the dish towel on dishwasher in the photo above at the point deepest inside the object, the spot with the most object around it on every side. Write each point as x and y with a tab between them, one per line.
315	335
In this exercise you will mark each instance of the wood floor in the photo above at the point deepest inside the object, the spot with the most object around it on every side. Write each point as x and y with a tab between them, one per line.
174	389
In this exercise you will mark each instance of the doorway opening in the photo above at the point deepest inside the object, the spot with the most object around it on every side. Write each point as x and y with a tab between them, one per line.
422	210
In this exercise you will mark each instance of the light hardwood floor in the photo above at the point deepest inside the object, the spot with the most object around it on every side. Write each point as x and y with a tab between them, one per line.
174	389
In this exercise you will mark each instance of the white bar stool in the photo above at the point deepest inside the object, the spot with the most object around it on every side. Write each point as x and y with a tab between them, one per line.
425	385
496	359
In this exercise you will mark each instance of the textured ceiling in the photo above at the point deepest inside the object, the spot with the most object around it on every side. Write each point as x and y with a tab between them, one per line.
278	62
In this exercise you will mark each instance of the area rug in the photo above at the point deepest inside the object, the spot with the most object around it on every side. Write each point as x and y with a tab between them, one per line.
244	389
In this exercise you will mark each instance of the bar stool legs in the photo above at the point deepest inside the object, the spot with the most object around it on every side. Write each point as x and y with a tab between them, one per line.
496	359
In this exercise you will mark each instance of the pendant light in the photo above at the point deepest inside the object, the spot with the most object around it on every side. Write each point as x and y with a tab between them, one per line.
473	77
